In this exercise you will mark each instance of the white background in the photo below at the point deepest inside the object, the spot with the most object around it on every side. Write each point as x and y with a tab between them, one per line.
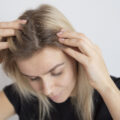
98	19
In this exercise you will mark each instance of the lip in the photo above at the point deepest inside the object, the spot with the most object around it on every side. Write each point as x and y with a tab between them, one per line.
55	97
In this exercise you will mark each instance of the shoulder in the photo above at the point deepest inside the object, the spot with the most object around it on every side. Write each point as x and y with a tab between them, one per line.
19	103
6	108
13	96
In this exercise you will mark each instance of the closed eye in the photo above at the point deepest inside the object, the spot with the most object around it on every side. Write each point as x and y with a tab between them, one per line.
53	74
56	74
33	79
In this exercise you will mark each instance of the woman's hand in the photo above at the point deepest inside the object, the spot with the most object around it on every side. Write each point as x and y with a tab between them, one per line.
88	54
8	29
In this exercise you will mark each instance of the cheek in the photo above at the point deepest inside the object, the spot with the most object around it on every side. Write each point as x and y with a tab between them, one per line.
67	80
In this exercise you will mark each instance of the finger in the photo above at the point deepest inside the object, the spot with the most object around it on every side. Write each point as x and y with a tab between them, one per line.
7	32
3	45
76	55
83	47
68	34
13	24
0	38
74	35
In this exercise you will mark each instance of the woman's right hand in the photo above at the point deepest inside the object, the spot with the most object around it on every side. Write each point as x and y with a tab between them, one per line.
8	29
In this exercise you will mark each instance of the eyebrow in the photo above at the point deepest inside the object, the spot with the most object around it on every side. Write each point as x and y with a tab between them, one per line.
56	66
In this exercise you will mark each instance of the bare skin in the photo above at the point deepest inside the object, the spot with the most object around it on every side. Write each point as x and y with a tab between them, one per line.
58	84
90	56
7	29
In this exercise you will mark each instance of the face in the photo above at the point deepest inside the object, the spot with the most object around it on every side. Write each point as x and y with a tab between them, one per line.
51	72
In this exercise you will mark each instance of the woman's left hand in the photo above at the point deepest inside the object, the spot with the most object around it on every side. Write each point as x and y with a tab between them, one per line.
87	54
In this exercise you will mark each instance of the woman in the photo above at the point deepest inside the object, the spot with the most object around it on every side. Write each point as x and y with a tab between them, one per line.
58	73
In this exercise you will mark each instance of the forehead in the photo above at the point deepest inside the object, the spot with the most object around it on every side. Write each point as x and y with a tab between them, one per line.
42	60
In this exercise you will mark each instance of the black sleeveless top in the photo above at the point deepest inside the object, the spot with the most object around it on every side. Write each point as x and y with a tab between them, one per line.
28	110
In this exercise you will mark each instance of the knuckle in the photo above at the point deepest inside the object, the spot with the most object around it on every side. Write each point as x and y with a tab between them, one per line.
1	24
90	61
75	41
3	32
75	54
81	41
62	40
86	62
12	32
82	34
75	33
7	32
14	23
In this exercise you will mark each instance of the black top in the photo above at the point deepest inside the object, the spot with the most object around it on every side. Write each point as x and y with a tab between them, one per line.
28	110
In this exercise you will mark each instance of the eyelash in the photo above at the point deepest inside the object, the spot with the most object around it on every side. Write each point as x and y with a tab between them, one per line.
37	78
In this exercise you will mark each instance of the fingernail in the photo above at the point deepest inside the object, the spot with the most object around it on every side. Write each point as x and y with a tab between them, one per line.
61	39
59	33
23	21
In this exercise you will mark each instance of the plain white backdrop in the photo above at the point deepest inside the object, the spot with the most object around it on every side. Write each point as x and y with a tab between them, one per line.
99	20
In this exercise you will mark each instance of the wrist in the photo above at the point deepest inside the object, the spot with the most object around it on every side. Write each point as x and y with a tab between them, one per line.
110	93
107	87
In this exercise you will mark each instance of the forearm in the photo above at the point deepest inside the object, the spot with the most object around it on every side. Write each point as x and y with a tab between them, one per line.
111	96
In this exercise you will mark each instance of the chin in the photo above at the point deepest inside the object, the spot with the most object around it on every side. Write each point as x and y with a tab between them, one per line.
59	99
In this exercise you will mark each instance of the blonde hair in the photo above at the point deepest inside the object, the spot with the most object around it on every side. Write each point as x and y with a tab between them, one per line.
40	30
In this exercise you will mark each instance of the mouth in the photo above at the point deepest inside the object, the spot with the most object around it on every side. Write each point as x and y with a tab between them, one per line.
56	97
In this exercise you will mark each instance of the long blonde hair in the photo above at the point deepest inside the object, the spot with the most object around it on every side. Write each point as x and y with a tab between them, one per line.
40	30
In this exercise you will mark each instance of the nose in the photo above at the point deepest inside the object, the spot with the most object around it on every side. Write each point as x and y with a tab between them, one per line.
47	87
